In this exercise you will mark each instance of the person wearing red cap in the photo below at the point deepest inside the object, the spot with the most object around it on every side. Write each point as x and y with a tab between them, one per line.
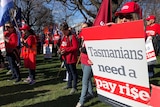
24	27
11	39
152	28
153	32
29	52
130	11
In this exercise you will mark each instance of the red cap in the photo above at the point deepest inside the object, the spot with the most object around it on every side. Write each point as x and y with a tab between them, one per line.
25	27
129	7
151	17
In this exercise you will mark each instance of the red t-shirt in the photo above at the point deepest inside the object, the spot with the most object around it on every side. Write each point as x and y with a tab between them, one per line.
153	30
13	41
84	59
56	39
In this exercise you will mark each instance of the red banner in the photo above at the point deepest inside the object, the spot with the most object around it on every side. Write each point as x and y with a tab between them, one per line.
115	31
104	14
123	89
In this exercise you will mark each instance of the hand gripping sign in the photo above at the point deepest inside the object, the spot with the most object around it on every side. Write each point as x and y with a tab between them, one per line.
119	63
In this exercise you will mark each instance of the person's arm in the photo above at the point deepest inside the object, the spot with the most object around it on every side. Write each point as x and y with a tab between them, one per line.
12	40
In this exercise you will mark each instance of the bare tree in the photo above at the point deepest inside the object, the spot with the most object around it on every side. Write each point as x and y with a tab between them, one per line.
35	13
151	7
88	8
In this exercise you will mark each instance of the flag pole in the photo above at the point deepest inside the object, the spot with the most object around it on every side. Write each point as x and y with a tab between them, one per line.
12	15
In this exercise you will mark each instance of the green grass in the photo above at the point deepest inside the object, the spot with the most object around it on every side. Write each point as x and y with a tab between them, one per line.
47	92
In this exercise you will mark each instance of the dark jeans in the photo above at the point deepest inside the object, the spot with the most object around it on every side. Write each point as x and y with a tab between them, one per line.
15	69
1	59
151	68
72	75
32	74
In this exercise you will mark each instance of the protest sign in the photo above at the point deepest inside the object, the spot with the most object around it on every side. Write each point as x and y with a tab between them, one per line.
150	52
2	42
119	63
47	51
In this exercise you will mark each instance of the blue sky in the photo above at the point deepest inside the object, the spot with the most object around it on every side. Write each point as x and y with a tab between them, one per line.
76	18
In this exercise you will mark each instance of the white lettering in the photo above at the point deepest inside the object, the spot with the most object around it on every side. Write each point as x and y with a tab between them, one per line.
111	87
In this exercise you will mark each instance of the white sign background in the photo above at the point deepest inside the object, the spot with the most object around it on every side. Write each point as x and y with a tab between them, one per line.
139	66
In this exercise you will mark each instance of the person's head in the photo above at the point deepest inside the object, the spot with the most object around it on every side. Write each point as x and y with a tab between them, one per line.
130	11
151	19
48	34
86	24
24	28
9	27
64	28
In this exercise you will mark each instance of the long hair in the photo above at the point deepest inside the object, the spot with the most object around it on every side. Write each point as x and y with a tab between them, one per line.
28	33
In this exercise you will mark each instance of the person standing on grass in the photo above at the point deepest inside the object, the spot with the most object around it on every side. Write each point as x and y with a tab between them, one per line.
130	11
87	88
11	41
153	33
69	52
29	52
56	41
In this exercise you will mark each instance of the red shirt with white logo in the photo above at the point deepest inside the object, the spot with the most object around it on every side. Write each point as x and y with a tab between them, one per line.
70	45
56	39
153	30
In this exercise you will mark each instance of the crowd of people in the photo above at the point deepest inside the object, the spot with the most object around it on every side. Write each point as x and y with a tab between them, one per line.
66	46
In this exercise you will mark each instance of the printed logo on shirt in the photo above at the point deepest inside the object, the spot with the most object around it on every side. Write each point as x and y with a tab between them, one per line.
56	37
150	32
64	43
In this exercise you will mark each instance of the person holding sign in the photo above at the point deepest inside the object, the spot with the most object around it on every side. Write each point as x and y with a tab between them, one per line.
130	11
87	89
153	34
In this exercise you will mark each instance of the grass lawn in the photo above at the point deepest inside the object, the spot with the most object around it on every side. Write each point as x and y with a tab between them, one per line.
47	92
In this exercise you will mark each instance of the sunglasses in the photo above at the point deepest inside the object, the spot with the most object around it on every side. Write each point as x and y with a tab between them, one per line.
8	27
128	16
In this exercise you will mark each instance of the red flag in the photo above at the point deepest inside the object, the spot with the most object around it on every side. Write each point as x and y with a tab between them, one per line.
104	14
